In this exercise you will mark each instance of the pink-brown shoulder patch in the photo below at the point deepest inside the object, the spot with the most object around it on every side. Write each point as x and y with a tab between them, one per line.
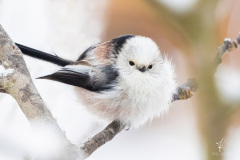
102	52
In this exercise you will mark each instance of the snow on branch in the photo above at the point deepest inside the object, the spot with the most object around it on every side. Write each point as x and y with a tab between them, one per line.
5	72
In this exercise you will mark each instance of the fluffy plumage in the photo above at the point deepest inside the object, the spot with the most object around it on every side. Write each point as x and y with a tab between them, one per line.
126	78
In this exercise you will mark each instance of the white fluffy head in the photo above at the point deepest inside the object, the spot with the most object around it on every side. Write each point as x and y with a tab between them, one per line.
140	56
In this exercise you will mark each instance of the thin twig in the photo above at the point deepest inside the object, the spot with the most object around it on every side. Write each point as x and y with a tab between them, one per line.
227	46
185	91
101	138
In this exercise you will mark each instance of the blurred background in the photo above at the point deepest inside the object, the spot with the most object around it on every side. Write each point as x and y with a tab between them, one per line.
187	31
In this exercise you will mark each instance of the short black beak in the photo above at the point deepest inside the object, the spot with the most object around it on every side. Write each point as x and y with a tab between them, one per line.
143	69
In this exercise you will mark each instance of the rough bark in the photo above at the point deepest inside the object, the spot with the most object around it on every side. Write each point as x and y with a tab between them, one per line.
19	85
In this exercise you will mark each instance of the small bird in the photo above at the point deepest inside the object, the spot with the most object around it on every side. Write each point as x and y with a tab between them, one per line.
126	78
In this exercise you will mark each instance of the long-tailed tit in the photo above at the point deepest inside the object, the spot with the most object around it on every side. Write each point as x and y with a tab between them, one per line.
126	78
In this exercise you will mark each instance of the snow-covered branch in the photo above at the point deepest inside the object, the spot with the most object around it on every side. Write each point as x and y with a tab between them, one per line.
16	81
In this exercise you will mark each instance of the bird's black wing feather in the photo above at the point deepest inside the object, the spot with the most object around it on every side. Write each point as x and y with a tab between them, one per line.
71	78
100	79
77	77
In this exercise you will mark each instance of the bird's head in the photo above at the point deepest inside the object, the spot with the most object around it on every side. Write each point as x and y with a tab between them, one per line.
139	56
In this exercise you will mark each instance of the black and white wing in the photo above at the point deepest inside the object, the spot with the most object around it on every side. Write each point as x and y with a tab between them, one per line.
94	69
84	75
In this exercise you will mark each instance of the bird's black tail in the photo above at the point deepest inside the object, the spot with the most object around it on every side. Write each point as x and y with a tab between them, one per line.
43	56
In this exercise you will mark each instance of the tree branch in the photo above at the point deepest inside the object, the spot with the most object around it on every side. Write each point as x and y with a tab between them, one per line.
16	81
185	91
101	138
227	46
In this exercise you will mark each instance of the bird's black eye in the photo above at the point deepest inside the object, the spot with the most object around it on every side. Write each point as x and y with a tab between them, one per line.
131	63
150	66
